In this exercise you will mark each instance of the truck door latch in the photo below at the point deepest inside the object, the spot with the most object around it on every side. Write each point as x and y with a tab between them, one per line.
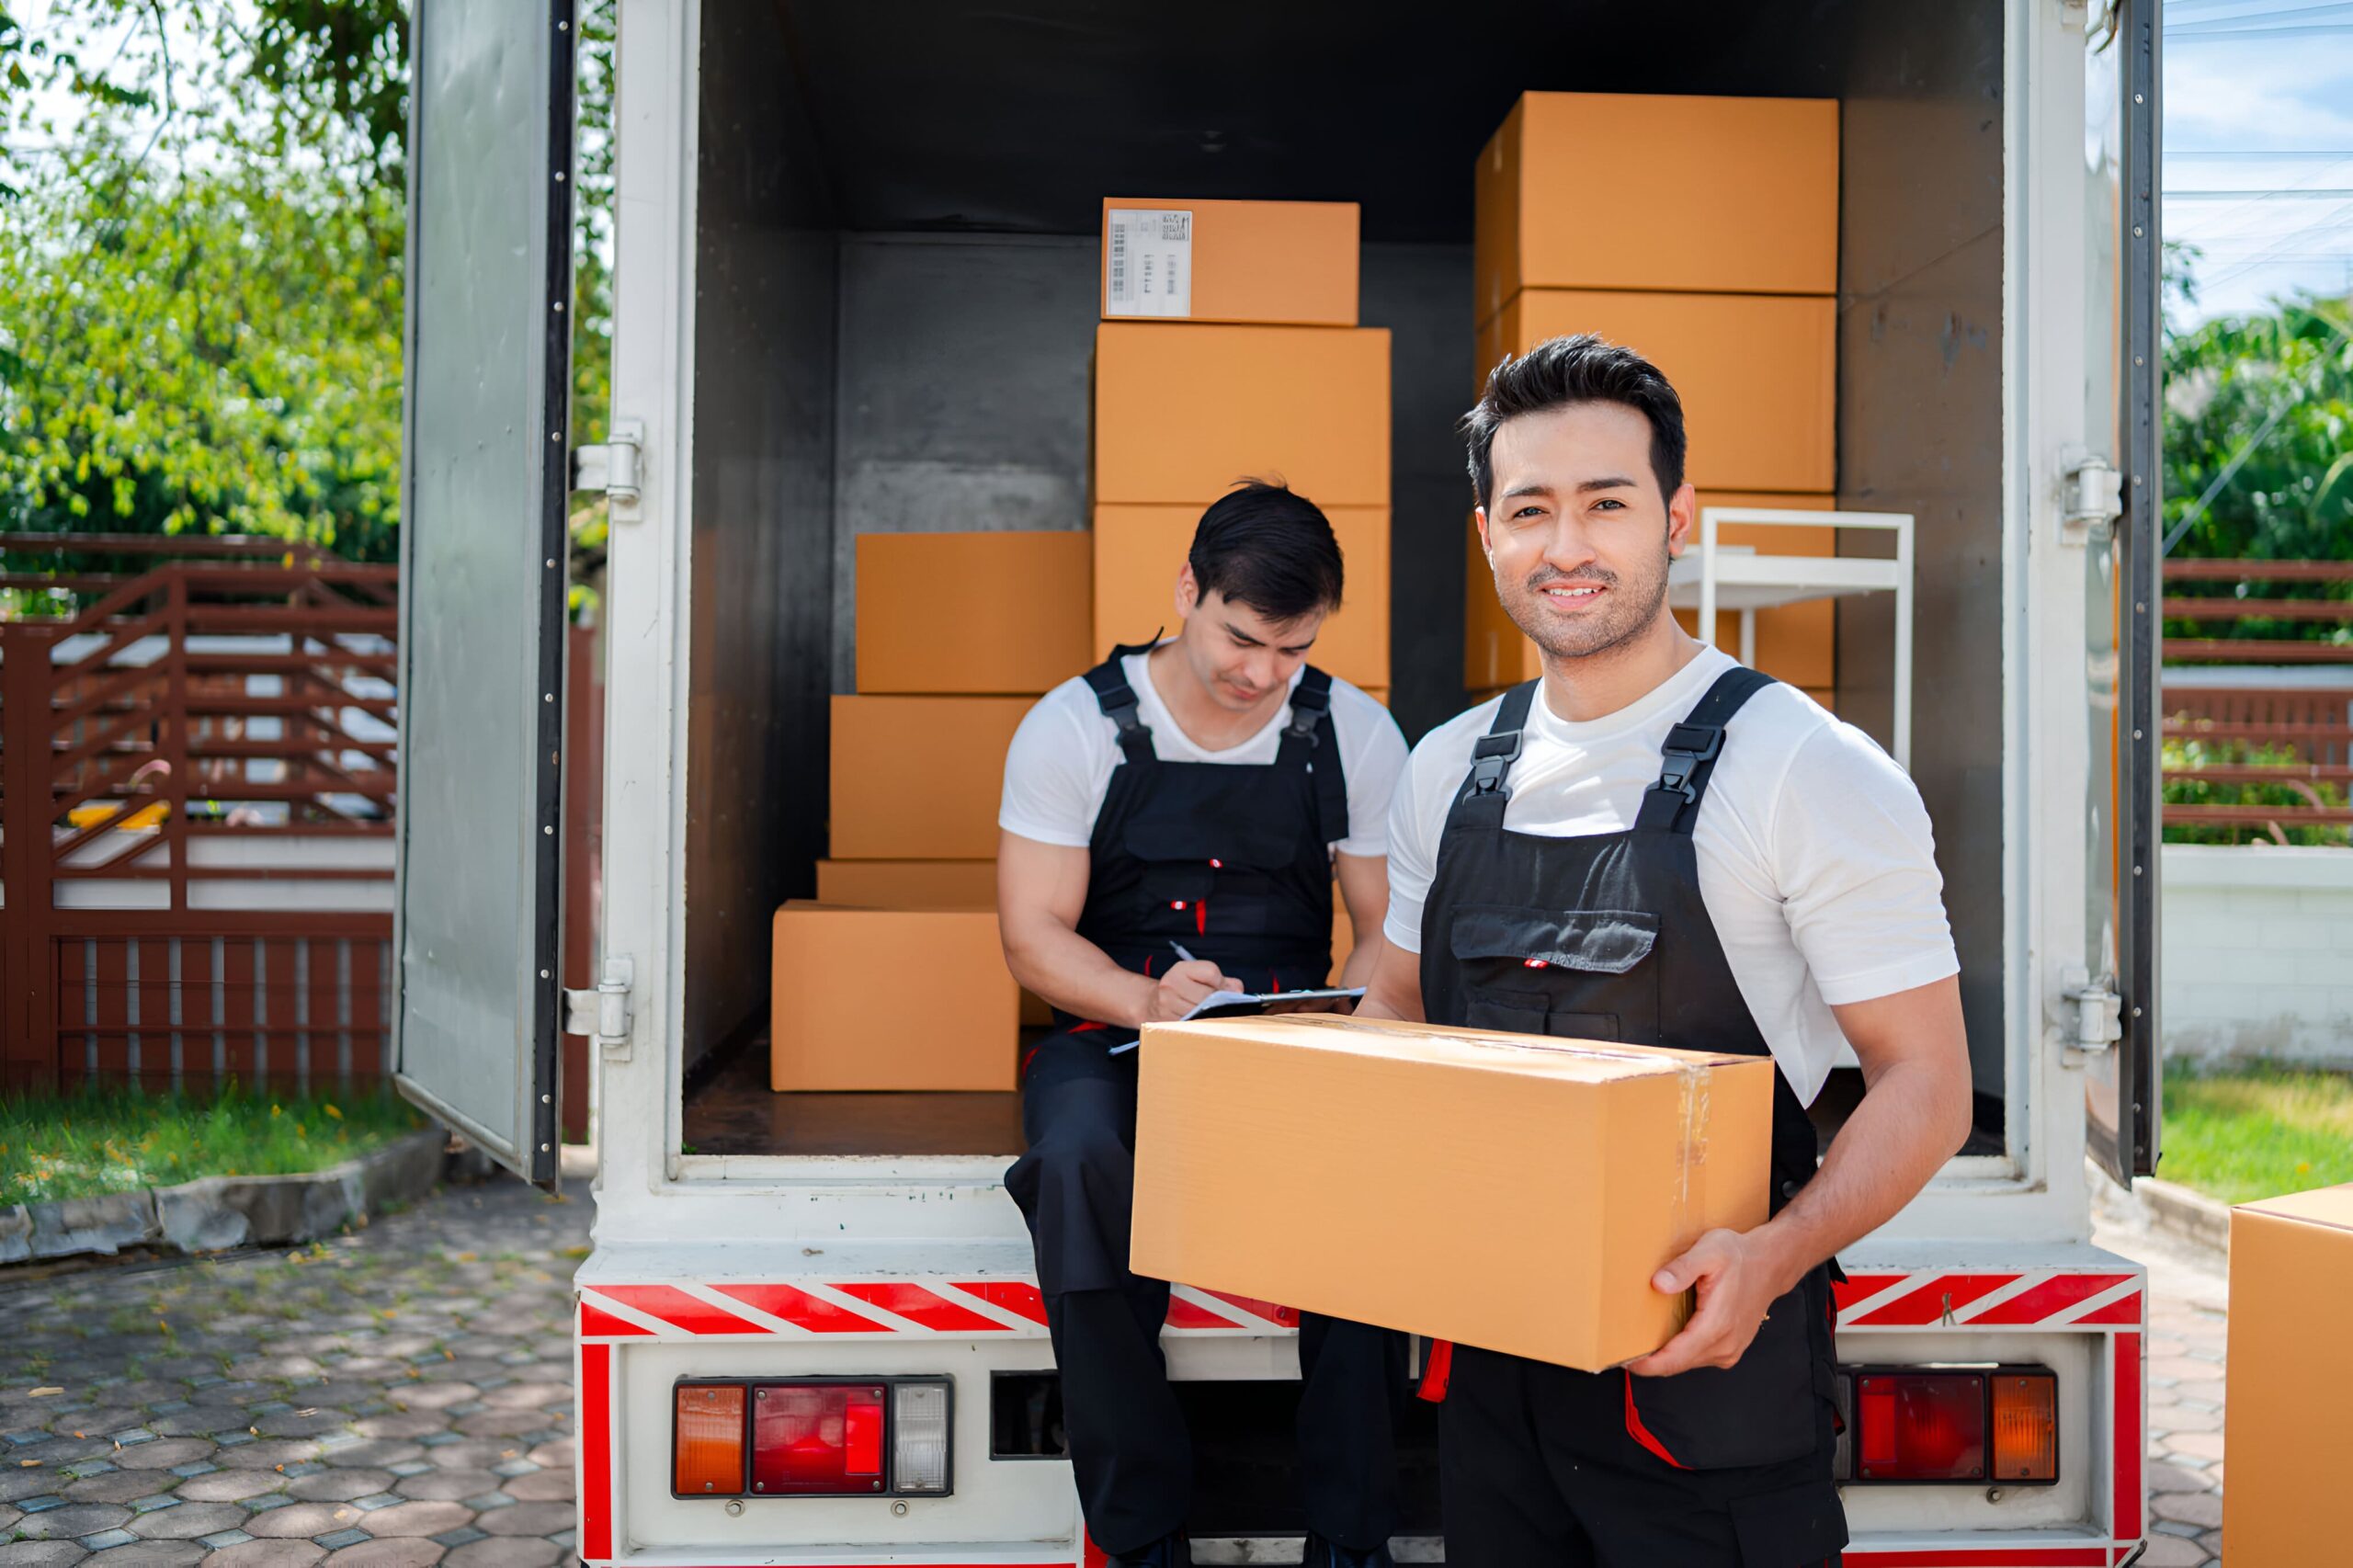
2098	1012
602	1014
612	467
2091	500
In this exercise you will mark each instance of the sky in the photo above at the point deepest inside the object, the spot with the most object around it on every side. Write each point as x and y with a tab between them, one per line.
2258	147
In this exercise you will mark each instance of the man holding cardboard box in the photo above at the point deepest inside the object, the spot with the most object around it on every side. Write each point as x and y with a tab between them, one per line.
1173	824
1653	844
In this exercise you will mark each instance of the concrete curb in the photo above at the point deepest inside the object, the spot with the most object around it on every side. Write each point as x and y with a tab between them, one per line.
215	1212
2168	1207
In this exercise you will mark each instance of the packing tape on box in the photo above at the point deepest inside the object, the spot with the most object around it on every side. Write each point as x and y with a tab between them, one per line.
1693	1079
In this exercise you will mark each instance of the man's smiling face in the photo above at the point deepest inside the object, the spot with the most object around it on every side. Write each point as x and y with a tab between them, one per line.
1577	530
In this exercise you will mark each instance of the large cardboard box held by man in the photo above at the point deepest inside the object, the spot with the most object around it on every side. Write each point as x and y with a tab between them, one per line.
2290	1423
1510	1192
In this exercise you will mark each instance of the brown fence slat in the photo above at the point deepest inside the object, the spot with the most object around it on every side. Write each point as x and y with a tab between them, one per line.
2179	609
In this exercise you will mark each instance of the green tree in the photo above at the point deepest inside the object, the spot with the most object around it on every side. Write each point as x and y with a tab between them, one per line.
200	286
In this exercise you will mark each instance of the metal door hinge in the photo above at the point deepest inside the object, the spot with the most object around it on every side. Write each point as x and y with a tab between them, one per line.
611	468
603	1015
2090	501
2095	1012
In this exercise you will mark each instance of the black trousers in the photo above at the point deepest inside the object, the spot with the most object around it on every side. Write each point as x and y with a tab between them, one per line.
1130	1451
1538	1470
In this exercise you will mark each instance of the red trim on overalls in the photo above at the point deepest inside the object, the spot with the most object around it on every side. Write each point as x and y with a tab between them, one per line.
1641	1434
1437	1371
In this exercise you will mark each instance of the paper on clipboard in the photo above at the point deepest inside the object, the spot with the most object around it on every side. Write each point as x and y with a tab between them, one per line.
1242	1004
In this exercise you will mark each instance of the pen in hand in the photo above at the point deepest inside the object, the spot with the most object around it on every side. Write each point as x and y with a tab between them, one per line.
1180	950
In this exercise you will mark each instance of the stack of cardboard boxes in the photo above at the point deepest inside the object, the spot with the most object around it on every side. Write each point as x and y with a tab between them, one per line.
1702	232
918	762
1228	349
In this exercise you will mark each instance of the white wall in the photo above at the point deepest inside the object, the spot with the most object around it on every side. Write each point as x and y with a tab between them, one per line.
2258	953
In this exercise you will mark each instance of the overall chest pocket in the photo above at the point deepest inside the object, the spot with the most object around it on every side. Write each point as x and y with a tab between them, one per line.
1581	974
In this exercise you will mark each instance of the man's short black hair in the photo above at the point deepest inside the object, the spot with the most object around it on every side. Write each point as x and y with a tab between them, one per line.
1270	548
1566	371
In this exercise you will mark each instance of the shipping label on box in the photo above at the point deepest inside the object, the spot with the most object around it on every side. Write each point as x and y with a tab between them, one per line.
1511	1191
1148	262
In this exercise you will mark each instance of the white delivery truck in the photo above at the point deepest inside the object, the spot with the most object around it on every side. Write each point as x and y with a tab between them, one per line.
857	264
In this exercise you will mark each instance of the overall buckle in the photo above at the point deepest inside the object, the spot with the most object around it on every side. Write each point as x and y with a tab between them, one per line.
1689	746
1491	759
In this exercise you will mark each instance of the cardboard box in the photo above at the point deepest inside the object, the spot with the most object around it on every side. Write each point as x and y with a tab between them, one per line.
1180	417
829	1031
1757	373
1289	262
1734	196
1283	1157
1139	549
1797	644
908	884
919	778
1019	613
921	884
2289	1424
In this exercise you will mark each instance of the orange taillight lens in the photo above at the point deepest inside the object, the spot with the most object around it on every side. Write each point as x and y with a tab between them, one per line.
707	1440
2026	1427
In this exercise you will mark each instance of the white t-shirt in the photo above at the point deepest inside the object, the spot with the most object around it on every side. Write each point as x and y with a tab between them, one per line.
1058	767
1817	864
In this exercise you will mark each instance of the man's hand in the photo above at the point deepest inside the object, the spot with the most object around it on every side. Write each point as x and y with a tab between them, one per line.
1739	1279
1185	987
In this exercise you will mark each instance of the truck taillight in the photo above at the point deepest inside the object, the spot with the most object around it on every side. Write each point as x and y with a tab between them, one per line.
1926	1424
919	1437
813	1438
707	1440
816	1437
2026	1427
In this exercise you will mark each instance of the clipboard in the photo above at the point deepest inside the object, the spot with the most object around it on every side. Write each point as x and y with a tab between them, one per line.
1247	1004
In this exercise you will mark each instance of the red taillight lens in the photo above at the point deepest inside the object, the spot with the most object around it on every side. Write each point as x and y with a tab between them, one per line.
2026	1427
1920	1427
707	1440
816	1437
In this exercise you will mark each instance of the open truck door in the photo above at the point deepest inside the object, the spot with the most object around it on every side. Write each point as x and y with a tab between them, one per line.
477	907
2124	608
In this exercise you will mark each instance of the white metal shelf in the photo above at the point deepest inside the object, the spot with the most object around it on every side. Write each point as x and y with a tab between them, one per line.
1717	576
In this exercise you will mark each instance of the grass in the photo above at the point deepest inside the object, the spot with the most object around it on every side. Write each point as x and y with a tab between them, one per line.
100	1141
2256	1131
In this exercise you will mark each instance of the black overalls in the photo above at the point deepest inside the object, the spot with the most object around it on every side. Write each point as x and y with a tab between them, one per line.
1604	936
1231	861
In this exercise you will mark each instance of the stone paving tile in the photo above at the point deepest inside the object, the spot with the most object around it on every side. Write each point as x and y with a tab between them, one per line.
408	1551
447	1485
152	1554
338	1485
116	1486
230	1485
267	1409
72	1521
41	1553
190	1521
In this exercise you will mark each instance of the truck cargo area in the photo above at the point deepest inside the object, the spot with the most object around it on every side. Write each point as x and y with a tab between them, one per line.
894	302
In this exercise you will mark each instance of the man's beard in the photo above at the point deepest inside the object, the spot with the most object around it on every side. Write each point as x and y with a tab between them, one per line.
1629	607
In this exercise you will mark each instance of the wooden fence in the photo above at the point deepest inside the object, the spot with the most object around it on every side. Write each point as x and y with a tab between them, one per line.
2304	734
195	818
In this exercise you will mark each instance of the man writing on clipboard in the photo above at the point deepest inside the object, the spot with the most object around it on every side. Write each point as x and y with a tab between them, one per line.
1172	826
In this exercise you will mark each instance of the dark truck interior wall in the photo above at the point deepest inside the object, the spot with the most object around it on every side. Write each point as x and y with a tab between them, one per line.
896	310
1920	431
761	593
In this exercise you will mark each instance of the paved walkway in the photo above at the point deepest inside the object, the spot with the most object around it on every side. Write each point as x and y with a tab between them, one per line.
2189	1294
401	1397
393	1399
